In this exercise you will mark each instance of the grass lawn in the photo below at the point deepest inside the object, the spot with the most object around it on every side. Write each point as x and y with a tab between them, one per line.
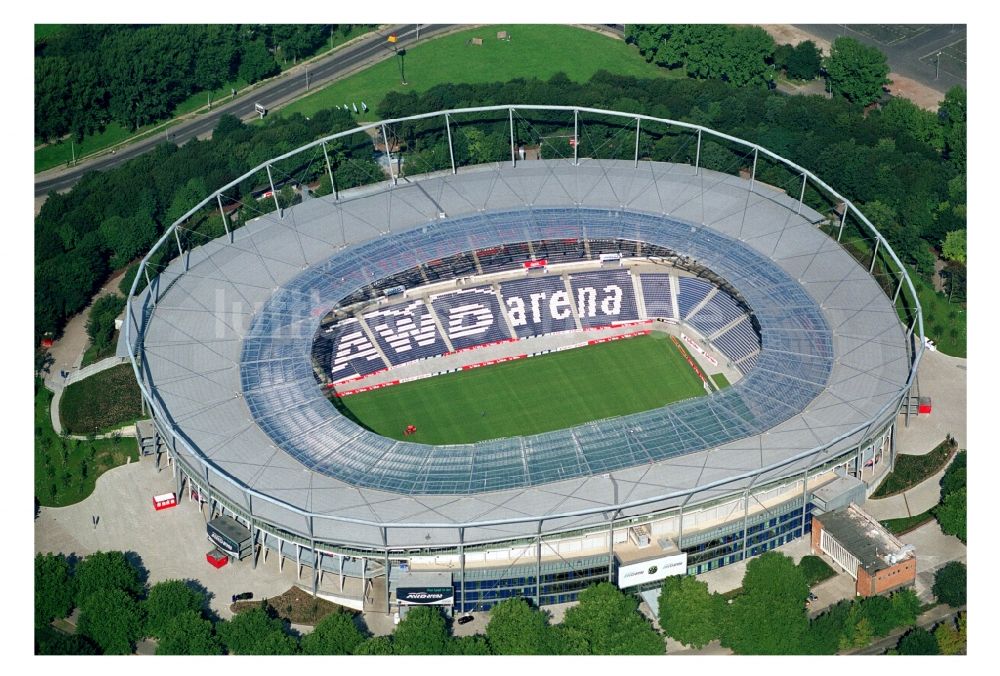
910	470
908	523
103	402
533	51
65	469
815	569
295	605
530	396
944	322
721	381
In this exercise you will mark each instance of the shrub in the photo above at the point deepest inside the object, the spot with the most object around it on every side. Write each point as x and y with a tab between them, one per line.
918	641
950	584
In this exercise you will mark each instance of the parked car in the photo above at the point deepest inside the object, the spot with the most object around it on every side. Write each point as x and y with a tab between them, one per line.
245	596
465	618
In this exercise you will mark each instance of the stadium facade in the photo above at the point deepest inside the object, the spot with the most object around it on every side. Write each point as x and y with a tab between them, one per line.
224	342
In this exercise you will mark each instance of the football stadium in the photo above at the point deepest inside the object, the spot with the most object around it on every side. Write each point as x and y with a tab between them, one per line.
458	385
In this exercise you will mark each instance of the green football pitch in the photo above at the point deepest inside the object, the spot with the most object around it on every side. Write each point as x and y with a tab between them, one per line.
529	396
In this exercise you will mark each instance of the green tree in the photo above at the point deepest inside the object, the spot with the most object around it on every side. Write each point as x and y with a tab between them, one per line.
953	248
568	641
167	600
105	570
858	630
254	632
470	645
917	641
951	514
949	584
188	634
376	645
54	590
101	320
775	574
955	476
611	623
112	619
515	628
185	198
769	617
256	62
422	632
688	612
902	116
950	638
127	237
952	113
825	631
905	607
857	72
804	61
51	641
276	643
747	50
336	634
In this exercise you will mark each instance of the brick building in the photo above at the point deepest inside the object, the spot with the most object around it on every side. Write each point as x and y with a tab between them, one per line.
859	544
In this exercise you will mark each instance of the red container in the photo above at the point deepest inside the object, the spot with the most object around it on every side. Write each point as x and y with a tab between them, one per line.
924	405
165	501
217	558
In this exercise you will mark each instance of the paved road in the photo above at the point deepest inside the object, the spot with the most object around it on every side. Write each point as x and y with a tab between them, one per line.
904	56
282	89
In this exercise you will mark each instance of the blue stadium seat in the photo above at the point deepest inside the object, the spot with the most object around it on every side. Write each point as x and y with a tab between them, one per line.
471	316
604	297
405	332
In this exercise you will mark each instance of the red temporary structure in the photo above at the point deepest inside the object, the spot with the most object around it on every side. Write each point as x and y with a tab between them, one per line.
217	558
165	501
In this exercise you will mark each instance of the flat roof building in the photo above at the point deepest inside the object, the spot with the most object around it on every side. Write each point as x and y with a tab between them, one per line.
859	544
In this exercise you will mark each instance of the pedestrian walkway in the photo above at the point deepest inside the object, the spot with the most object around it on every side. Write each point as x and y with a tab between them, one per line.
170	543
942	378
911	502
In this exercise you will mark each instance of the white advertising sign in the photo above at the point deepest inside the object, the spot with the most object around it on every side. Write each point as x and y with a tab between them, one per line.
652	570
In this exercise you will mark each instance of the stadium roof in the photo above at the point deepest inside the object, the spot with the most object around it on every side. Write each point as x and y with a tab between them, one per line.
242	317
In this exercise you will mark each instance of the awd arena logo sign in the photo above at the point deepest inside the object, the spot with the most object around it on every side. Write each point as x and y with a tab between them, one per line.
472	317
540	306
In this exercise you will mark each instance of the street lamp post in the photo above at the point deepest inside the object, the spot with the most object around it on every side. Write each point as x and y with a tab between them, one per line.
392	39
937	66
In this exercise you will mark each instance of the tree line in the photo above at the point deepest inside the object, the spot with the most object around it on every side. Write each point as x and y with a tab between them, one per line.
117	609
88	76
768	615
749	56
903	166
111	218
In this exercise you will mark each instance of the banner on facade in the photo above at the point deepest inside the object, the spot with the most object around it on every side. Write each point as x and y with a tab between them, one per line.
425	596
652	570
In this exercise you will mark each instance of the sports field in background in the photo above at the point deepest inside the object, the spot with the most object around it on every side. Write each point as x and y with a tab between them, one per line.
529	396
